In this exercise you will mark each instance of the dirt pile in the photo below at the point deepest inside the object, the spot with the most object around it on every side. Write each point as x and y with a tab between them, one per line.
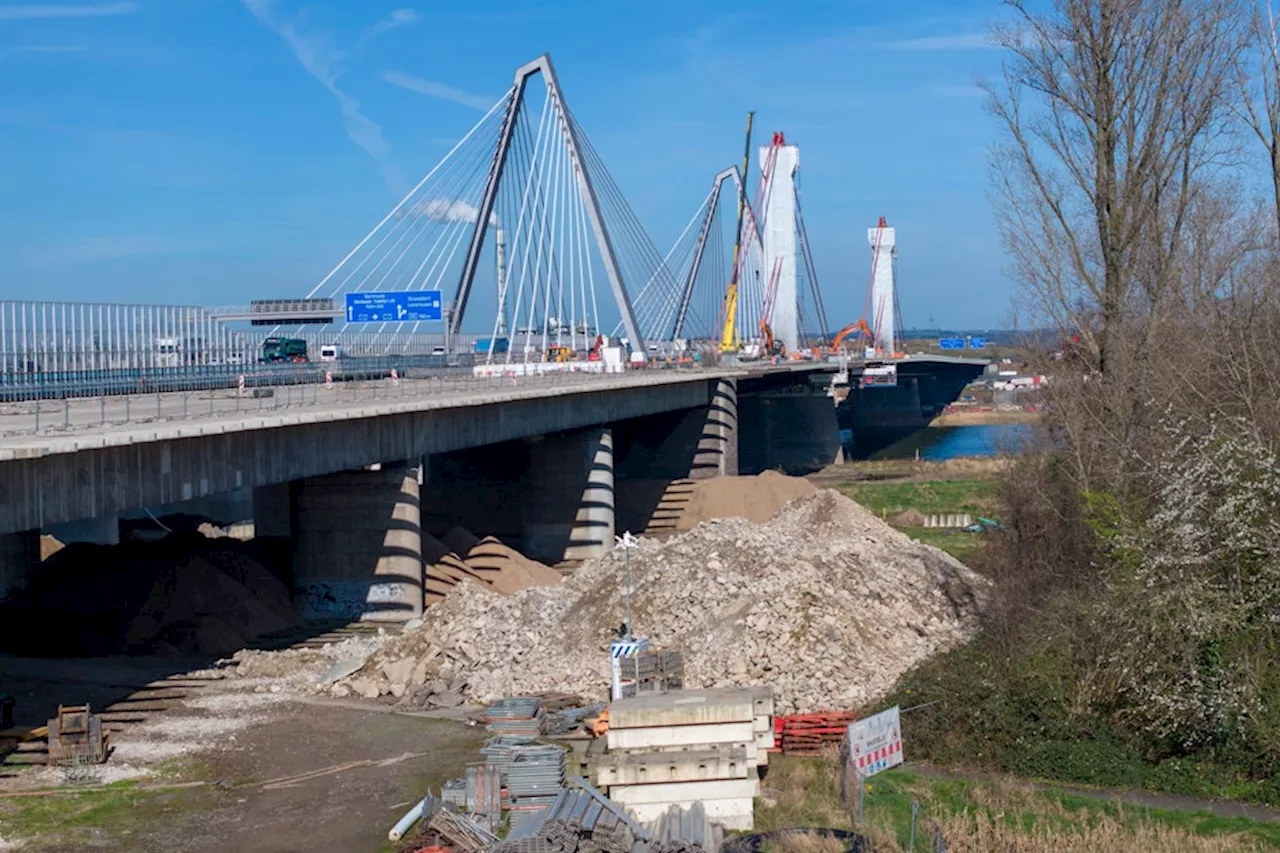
756	499
506	569
824	601
186	594
487	561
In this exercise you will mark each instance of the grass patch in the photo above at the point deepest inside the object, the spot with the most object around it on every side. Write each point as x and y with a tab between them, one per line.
994	814
975	496
108	813
962	546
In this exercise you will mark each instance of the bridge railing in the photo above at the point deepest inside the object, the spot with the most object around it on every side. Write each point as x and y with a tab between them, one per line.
286	387
58	385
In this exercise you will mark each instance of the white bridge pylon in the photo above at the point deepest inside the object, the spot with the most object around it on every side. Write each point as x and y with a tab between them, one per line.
777	283
562	233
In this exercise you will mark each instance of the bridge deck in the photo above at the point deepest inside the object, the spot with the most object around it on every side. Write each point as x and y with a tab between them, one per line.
68	426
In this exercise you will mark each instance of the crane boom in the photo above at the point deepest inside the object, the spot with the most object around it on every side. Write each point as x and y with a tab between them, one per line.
729	333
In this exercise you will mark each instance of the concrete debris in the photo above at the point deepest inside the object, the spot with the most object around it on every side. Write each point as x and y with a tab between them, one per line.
824	601
342	668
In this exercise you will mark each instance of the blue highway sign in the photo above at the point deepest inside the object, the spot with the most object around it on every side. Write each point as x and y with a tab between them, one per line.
405	306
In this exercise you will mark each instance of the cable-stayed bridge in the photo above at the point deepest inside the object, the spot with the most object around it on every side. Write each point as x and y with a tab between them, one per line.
533	245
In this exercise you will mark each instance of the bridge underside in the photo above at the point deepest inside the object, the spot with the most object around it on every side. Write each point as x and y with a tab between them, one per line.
358	503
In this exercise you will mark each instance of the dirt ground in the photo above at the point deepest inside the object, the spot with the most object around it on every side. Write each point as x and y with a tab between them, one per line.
218	765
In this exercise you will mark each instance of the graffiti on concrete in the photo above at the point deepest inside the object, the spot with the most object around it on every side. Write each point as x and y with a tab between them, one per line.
349	599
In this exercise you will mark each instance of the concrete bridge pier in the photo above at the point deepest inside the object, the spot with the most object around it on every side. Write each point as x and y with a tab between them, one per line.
659	455
793	430
357	545
19	558
569	498
273	511
717	453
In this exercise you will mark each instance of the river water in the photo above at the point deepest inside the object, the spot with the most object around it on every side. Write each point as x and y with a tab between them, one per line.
941	443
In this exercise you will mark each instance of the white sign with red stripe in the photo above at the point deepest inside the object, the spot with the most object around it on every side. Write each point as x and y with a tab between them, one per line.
875	743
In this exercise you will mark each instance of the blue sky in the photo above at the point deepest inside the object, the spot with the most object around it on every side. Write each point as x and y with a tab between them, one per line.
211	151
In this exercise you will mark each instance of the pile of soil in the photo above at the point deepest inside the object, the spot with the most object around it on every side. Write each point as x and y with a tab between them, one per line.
824	601
460	556
908	518
756	499
183	595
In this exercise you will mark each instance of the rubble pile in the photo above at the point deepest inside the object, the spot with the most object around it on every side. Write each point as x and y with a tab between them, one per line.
824	601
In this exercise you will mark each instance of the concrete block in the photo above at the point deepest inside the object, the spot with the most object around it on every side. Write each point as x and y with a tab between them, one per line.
659	736
749	749
654	767
764	740
682	708
736	813
685	792
762	695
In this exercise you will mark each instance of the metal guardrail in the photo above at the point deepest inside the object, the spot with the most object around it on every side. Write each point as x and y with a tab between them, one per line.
58	385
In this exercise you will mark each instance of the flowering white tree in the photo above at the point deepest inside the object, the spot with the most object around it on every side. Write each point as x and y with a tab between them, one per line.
1198	590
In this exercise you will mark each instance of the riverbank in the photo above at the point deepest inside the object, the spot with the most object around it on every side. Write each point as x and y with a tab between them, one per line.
957	417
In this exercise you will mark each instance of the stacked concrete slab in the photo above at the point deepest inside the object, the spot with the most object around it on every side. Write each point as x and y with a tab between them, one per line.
686	747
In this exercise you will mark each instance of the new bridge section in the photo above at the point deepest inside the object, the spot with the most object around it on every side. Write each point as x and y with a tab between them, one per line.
352	485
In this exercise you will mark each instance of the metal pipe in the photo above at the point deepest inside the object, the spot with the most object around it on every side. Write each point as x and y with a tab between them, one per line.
405	823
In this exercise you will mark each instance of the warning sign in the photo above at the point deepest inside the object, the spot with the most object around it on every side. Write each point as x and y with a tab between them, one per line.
875	743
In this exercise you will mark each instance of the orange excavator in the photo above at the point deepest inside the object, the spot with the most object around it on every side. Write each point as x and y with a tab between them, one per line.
859	326
771	347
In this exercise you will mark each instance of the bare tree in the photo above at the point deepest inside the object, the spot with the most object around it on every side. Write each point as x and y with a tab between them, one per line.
1113	115
1259	78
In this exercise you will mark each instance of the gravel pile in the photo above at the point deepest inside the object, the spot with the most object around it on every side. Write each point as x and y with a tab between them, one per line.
825	602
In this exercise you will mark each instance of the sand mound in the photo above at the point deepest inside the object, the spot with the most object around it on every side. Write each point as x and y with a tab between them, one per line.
753	498
49	545
908	518
183	594
824	601
506	569
444	569
189	593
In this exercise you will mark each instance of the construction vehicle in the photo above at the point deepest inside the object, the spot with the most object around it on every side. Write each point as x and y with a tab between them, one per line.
729	331
595	354
771	347
559	353
76	737
859	326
